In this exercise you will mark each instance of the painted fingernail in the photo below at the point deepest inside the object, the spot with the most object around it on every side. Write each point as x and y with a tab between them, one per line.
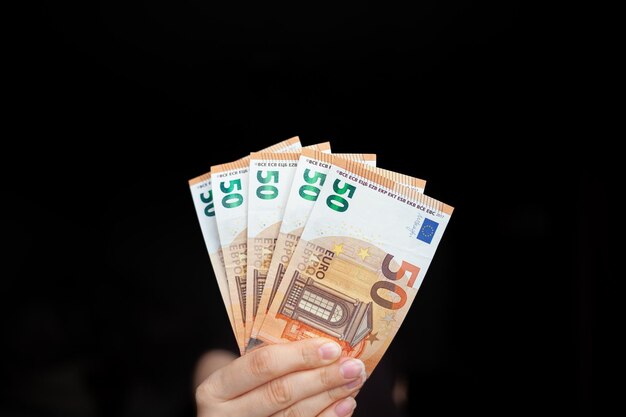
345	407
329	350
351	368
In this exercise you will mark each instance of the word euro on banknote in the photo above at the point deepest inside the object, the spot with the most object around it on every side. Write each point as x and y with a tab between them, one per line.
362	256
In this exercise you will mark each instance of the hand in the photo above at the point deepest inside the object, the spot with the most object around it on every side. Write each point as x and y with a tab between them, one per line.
297	379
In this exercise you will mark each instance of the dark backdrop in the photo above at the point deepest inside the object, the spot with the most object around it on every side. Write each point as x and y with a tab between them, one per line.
108	297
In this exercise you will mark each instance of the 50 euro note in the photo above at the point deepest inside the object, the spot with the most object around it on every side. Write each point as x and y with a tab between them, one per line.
202	195
270	178
360	261
309	177
230	195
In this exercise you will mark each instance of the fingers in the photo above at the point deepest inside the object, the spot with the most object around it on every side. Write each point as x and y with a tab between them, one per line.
209	363
333	382
342	408
316	404
268	363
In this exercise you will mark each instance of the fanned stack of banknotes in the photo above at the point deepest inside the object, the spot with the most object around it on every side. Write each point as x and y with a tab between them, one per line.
306	243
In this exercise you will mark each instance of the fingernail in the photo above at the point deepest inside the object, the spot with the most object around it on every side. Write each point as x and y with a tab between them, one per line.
329	350
357	382
345	407
351	368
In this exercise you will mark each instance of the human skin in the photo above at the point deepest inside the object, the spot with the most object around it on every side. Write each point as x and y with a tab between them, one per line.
306	378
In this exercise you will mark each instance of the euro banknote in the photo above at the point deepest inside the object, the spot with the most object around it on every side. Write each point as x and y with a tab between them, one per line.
230	194
270	177
202	195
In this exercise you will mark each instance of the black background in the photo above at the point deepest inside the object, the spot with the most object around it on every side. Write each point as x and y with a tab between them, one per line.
108	295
